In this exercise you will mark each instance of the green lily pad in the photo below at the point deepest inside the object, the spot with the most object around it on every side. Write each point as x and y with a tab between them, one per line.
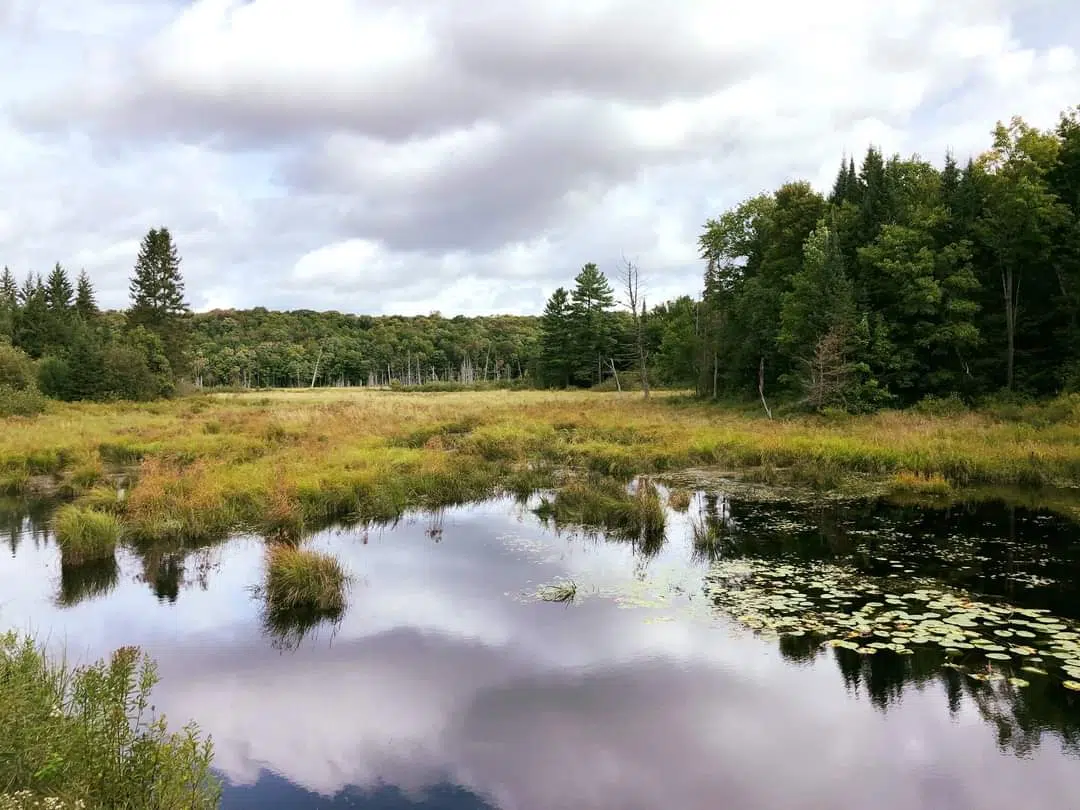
1020	683
1073	685
999	656
1033	670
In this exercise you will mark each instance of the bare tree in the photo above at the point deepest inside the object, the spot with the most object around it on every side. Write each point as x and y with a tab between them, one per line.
631	288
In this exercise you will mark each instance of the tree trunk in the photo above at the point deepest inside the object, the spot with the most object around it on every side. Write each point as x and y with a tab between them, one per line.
761	386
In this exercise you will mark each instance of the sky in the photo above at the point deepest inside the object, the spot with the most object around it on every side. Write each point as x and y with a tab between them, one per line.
469	156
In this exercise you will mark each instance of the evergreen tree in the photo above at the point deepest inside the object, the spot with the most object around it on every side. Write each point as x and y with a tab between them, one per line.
157	295
85	298
590	307
9	305
59	294
556	341
32	320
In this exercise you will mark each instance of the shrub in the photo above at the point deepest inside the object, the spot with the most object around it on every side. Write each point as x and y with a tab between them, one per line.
16	368
20	401
952	405
299	579
84	534
82	735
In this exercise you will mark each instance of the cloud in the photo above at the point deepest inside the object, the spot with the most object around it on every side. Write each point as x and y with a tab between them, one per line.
453	143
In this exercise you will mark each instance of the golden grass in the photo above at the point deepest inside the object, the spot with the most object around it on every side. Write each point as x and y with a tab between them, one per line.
302	579
285	462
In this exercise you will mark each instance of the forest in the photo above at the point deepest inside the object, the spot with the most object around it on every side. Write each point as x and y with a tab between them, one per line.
903	281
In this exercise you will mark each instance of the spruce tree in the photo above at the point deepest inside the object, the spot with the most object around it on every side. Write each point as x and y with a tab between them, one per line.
59	294
85	298
157	295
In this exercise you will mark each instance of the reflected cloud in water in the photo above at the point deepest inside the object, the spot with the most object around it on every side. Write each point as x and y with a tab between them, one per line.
440	677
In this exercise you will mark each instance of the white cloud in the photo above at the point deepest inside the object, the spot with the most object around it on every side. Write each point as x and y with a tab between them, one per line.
359	155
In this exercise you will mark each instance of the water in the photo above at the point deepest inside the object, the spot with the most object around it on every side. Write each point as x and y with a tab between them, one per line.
445	685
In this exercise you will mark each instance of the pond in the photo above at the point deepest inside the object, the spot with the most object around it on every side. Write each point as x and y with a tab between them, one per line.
687	673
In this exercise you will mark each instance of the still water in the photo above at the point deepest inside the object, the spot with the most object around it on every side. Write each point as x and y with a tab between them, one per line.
447	685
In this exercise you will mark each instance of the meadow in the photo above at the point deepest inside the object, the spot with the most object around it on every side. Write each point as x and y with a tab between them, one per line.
286	462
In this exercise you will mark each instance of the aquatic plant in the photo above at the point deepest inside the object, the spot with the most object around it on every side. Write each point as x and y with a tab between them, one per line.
87	734
840	607
300	578
607	505
560	591
679	499
933	484
84	534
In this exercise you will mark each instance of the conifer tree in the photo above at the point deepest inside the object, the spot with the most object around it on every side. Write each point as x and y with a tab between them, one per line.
157	295
59	294
557	341
590	308
85	298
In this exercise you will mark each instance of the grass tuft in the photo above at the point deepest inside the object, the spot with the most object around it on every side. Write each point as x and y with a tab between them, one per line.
561	591
679	499
302	579
85	535
930	485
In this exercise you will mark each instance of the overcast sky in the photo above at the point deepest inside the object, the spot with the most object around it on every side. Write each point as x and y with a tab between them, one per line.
468	156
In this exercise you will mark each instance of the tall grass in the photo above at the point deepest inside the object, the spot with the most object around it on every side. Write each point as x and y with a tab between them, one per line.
303	579
87	734
606	504
85	535
287	463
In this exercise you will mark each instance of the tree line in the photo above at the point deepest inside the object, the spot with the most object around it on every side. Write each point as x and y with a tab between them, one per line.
54	338
902	281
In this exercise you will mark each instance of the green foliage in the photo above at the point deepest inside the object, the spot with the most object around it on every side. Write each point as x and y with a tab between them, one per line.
591	325
84	534
20	401
86	735
958	280
556	341
157	295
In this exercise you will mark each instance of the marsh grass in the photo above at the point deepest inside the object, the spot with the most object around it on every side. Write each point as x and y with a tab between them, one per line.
85	535
679	499
706	537
561	591
932	485
288	462
299	579
88	734
607	505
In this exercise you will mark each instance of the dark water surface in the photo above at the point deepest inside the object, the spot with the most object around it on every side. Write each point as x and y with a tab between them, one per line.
446	686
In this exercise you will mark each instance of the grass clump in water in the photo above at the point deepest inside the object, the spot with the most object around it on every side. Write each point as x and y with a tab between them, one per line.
85	535
607	504
303	579
84	736
931	485
679	499
562	591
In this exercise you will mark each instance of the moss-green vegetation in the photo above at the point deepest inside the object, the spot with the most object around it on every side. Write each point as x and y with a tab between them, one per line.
85	535
288	463
84	734
303	579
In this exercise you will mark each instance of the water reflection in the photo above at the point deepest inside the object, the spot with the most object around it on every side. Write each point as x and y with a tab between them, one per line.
89	580
439	688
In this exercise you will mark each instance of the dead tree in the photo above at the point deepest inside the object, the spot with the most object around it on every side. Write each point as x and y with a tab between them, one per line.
631	288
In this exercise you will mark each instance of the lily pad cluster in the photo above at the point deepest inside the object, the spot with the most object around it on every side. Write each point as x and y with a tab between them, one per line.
843	608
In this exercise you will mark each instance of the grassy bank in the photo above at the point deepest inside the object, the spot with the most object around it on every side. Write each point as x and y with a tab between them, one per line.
286	462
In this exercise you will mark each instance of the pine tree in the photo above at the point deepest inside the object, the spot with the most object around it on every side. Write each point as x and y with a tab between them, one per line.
59	294
590	307
556	340
32	320
157	294
85	298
